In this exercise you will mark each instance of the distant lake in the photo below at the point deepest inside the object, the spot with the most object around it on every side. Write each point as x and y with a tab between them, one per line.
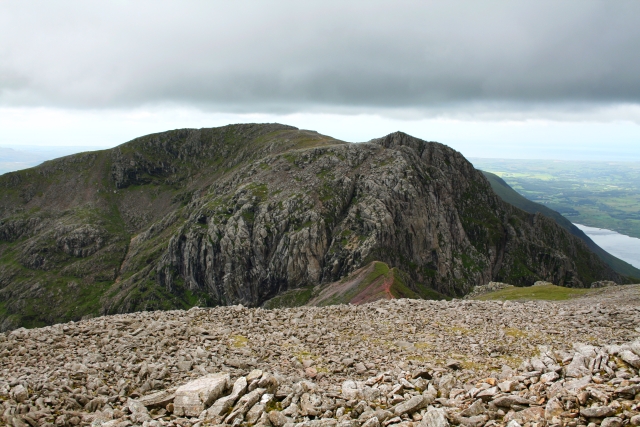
624	247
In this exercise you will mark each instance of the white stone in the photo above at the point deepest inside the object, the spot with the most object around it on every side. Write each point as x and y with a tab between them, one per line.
350	390
435	418
631	358
195	396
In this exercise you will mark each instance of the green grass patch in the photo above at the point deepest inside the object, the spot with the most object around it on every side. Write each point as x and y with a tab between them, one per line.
258	190
238	341
545	292
290	298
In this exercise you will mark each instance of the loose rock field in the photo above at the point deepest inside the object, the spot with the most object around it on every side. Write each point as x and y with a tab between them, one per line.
409	362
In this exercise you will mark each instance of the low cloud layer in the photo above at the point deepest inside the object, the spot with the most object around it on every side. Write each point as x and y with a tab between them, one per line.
288	56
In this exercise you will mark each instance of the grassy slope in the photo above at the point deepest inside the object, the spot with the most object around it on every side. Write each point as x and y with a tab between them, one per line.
544	292
370	283
509	195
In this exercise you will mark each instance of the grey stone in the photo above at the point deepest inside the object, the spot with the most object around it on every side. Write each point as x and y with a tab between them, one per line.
195	396
631	358
351	390
476	408
597	412
510	400
436	417
277	418
577	368
372	422
611	422
19	393
157	400
410	406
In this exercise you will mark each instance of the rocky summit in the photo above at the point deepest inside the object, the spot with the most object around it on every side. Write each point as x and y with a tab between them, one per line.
408	363
245	213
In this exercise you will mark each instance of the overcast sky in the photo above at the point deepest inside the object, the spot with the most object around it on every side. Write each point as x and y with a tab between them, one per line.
520	79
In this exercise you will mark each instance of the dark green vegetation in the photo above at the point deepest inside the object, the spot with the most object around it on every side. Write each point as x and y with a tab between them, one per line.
244	213
290	298
509	195
597	194
544	292
370	283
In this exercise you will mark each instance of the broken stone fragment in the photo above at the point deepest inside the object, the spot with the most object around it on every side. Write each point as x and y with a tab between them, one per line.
139	412
195	396
475	421
254	413
597	412
631	358
436	417
410	406
528	415
611	422
224	404
510	400
507	386
446	384
578	367
254	375
278	419
476	408
549	377
487	394
553	409
19	393
268	382
372	422
157	400
310	405
245	403
350	390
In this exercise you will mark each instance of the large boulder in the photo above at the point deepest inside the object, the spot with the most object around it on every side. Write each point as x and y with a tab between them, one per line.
196	396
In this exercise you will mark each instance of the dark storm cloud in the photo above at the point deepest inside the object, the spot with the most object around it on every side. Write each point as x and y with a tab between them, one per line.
290	55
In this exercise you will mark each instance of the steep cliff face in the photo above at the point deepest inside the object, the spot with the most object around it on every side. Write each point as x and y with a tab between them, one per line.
242	213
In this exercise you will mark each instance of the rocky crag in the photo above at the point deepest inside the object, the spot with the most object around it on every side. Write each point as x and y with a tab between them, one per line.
243	213
405	363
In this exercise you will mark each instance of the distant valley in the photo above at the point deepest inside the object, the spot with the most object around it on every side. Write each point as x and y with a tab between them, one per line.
596	194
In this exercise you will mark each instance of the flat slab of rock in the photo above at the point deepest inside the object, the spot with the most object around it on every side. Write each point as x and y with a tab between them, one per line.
599	412
195	396
510	400
410	406
631	358
157	400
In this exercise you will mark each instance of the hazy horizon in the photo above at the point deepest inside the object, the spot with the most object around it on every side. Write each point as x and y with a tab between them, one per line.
515	79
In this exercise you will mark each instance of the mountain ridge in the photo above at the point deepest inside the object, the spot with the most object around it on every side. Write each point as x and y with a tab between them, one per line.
242	213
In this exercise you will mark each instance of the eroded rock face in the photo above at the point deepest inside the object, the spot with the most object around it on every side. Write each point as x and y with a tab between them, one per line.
242	213
412	204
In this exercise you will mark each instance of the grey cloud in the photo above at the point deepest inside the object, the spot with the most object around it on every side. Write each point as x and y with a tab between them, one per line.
291	55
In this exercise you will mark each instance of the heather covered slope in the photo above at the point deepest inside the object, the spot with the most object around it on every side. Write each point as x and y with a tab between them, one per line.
243	213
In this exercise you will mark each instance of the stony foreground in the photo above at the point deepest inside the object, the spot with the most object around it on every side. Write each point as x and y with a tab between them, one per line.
409	362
